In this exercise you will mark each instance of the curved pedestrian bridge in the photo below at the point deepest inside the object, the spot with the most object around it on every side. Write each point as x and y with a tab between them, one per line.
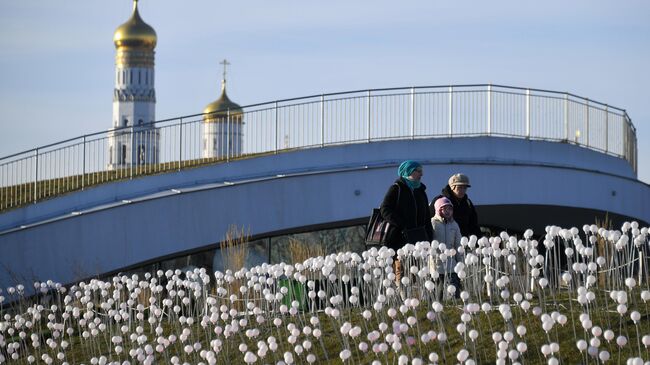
315	164
319	121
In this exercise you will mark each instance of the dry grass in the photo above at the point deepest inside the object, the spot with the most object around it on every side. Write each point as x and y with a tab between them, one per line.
601	245
483	350
234	248
300	251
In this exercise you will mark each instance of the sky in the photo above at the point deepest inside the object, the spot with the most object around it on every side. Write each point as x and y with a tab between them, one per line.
57	57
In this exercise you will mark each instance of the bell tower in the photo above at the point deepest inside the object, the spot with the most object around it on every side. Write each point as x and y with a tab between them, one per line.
133	138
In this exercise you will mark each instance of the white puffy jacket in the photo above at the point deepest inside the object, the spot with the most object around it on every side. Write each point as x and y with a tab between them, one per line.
449	234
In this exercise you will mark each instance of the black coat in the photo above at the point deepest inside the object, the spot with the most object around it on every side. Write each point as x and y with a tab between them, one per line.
411	210
464	212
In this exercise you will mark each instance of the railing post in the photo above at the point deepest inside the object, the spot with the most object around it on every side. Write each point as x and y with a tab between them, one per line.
322	120
180	144
566	116
606	128
528	113
451	111
368	99
412	113
587	120
132	155
228	135
634	151
83	168
276	127
626	143
489	110
36	176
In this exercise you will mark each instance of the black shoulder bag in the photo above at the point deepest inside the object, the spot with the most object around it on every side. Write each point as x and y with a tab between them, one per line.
378	227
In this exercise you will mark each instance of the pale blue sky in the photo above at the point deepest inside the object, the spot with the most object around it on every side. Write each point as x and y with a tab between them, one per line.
57	57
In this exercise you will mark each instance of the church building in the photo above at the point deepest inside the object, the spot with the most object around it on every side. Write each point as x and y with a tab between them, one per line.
222	125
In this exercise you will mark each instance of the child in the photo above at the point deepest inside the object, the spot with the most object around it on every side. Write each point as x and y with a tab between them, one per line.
446	230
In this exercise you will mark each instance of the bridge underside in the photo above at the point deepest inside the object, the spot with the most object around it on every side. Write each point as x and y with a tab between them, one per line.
516	184
515	219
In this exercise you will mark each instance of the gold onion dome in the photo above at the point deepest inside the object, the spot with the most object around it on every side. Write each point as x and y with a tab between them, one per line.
222	106
135	32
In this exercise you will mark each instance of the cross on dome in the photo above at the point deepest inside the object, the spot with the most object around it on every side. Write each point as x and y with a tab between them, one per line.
225	64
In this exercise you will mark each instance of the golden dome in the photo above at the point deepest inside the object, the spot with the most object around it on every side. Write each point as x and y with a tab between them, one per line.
221	106
135	32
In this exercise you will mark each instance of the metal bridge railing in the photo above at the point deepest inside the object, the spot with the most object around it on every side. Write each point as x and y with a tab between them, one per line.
316	121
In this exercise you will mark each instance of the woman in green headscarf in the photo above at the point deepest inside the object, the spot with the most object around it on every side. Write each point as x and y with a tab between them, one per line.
406	207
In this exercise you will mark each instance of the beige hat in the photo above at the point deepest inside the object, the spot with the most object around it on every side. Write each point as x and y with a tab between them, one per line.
459	179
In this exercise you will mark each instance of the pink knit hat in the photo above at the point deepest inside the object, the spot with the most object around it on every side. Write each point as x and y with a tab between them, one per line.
441	202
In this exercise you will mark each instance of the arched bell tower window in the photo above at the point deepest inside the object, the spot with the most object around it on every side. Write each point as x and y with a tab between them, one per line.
125	122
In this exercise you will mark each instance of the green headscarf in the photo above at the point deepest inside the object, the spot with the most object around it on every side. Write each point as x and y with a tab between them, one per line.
405	170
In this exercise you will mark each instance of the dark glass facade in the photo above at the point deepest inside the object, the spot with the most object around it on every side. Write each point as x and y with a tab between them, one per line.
288	248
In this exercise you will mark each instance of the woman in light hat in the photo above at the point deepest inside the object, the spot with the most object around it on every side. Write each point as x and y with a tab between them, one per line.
464	211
